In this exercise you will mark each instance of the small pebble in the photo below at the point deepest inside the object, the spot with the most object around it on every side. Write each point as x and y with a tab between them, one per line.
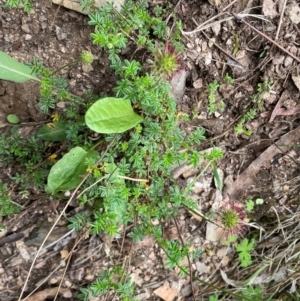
25	28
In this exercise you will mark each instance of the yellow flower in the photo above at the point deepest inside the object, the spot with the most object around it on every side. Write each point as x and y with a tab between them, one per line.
52	158
89	170
55	117
144	183
103	168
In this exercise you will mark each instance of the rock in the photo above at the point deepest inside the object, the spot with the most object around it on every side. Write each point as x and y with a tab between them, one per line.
178	85
68	294
136	278
269	9
35	28
186	290
288	61
197	84
208	58
294	13
143	296
216	28
165	292
213	232
25	28
225	261
222	252
296	80
86	68
201	185
201	267
60	34
74	4
277	60
28	37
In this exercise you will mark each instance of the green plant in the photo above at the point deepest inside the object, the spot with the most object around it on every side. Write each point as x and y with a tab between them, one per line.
228	79
6	205
214	104
262	88
240	128
257	98
129	170
244	249
254	293
110	280
27	4
250	204
165	61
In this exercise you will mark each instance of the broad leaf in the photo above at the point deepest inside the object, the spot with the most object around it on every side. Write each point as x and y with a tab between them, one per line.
111	115
14	129
12	118
55	131
68	171
11	69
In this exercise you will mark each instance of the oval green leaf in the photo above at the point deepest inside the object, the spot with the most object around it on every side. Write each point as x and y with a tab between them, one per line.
111	115
68	171
14	129
12	118
11	69
55	131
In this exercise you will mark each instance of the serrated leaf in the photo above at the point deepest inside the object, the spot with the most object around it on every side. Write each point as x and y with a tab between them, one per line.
12	118
249	205
111	115
11	69
68	171
54	131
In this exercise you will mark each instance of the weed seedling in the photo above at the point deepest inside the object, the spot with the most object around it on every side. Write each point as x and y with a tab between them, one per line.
244	249
250	204
6	206
213	105
228	79
27	4
252	113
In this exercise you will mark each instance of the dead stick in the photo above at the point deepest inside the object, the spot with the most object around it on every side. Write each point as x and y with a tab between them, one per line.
266	37
230	4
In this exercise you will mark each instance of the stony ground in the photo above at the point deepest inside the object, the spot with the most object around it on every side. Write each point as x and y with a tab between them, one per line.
264	165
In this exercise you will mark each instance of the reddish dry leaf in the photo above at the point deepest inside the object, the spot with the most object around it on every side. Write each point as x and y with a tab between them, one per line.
165	292
288	112
285	95
269	9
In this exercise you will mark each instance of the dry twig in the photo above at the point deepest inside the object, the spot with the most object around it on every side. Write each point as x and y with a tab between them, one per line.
266	37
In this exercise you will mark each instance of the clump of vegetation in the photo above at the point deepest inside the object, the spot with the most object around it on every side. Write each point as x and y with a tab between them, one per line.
126	176
257	98
6	205
27	4
215	104
129	174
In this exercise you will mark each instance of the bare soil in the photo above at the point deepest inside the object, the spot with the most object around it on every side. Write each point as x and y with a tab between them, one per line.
263	165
